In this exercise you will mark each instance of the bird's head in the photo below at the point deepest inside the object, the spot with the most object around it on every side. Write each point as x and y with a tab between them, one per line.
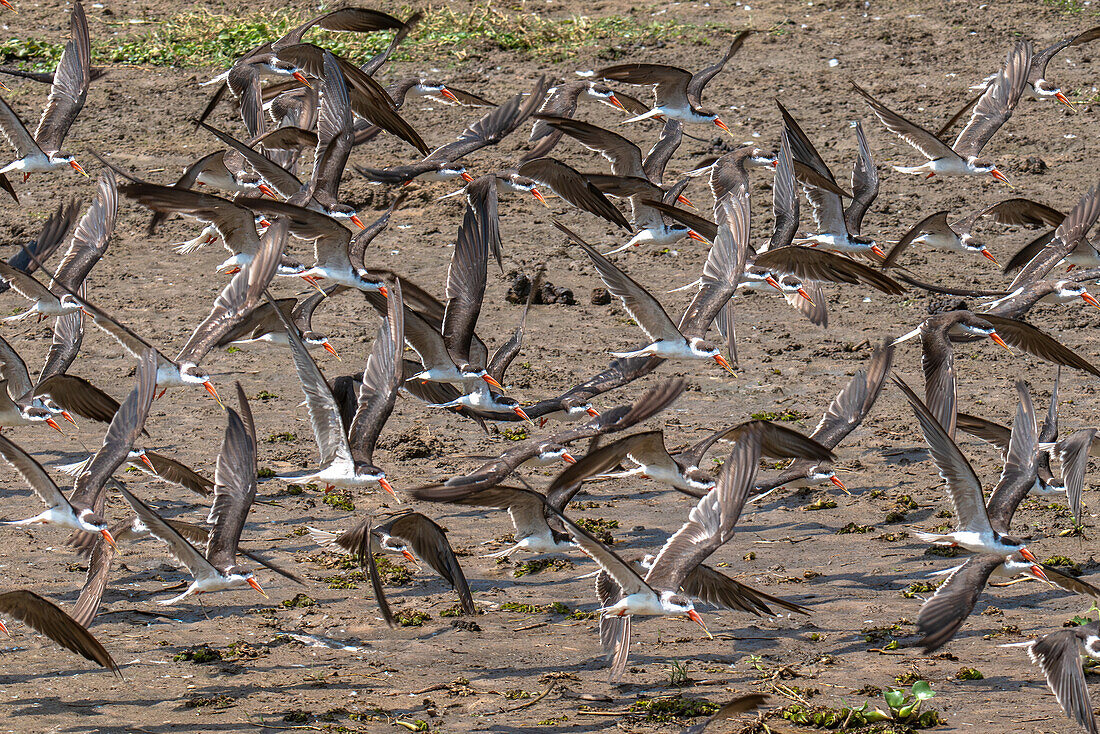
192	374
708	350
763	158
1045	89
367	473
68	158
243	574
316	339
603	93
92	522
984	165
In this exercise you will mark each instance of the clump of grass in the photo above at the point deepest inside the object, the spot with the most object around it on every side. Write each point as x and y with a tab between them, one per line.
265	473
282	437
200	38
678	675
514	434
785	416
943	551
600	528
214	702
412	618
822	504
198	654
392	574
853	528
539	565
244	650
671	709
333	559
340	501
919	587
969	674
349	580
300	601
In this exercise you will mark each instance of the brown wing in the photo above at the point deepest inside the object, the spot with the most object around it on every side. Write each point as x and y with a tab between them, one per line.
670	83
234	492
126	426
177	473
48	619
91	596
942	615
70	86
1038	343
809	263
997	103
933	222
382	377
78	396
925	142
571	186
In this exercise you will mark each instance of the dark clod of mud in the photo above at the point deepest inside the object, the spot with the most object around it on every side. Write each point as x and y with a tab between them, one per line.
546	294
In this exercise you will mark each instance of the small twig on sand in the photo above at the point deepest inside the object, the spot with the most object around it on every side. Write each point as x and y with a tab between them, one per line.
534	700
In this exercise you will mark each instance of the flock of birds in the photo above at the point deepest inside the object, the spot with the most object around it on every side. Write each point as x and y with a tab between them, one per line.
293	95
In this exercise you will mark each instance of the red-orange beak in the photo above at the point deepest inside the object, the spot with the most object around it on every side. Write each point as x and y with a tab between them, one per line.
522	414
995	173
313	282
685	201
989	256
1064	100
612	99
78	168
998	340
53	424
408	556
718	122
538	195
331	350
694	617
2	625
448	94
492	381
770	280
878	250
692	234
386	486
357	221
592	412
465	175
568	458
68	416
233	270
267	191
10	7
1039	572
256	585
213	393
725	363
1089	299
802	292
264	223
1028	555
108	538
301	78
145	460
837	482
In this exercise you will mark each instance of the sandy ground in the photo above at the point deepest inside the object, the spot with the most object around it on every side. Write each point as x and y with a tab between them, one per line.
484	674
